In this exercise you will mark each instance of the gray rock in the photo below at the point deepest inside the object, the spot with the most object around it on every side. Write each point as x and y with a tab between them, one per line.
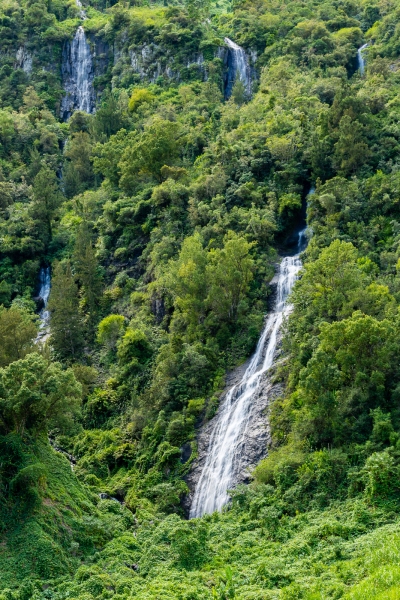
24	60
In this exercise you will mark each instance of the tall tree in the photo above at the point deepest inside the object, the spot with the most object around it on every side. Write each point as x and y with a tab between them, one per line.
78	170
46	200
87	270
230	271
186	279
66	325
17	332
159	145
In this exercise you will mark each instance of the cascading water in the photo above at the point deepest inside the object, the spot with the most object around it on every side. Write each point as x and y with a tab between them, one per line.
238	66
78	73
82	13
44	293
360	59
232	428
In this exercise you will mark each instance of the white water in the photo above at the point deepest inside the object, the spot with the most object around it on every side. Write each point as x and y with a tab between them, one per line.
82	12
82	57
239	67
232	425
78	73
360	59
44	293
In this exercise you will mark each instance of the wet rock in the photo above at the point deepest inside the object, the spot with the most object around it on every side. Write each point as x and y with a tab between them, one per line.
237	63
158	308
186	452
257	440
24	60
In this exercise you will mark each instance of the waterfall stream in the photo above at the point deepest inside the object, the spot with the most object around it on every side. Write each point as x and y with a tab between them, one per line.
360	59
238	66
82	13
232	423
78	73
44	293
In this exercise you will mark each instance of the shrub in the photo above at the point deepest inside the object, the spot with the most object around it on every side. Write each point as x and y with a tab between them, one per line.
109	330
140	96
382	475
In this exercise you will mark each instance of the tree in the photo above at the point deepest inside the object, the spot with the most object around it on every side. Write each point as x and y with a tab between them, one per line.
87	269
109	330
351	149
78	170
7	130
186	279
140	96
35	395
328	283
17	333
134	348
347	375
198	10
112	114
159	145
66	326
46	200
239	92
230	271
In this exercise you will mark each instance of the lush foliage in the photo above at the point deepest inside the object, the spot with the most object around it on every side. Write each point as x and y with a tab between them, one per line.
162	216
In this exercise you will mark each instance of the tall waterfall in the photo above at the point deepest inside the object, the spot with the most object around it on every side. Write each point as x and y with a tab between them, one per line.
44	293
360	59
232	426
238	66
78	73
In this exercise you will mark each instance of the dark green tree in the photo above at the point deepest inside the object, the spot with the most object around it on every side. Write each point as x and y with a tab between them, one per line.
66	324
46	200
17	332
78	170
87	270
36	394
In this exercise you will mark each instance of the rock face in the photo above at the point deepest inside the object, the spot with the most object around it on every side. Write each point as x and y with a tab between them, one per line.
24	60
101	55
150	62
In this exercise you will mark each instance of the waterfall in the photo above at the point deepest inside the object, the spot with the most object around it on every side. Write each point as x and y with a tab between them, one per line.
232	426
238	66
82	13
44	293
360	59
78	73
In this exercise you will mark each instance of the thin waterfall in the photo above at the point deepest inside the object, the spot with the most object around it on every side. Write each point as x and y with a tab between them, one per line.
78	73
44	293
232	423
360	59
81	10
238	66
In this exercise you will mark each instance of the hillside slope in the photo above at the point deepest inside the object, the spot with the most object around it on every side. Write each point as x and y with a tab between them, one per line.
159	160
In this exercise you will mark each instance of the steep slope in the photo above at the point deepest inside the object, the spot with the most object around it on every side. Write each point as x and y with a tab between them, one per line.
156	161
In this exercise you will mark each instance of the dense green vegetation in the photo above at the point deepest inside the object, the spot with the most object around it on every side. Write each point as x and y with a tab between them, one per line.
162	217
